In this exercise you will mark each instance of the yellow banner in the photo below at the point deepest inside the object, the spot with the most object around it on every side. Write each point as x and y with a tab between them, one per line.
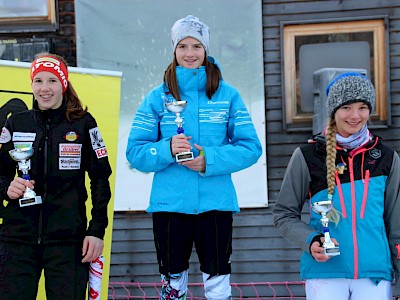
98	90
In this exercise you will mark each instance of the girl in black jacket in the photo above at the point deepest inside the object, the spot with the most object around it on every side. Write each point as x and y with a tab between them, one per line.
49	231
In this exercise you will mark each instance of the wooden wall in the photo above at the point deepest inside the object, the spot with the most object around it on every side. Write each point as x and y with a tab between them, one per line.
260	254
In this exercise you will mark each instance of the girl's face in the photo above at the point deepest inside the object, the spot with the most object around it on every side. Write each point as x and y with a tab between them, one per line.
190	53
47	90
350	118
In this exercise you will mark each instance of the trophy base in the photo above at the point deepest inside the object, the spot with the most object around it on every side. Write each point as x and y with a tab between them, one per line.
332	251
184	156
30	201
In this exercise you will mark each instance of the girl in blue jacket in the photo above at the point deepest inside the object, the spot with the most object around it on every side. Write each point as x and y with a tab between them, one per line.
193	131
350	166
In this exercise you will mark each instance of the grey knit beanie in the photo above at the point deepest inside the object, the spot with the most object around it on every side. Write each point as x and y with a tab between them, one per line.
190	26
347	88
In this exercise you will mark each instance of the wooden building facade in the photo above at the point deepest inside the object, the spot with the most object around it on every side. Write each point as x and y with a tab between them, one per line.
260	254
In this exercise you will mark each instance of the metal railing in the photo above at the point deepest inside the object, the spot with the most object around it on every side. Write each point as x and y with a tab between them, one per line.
249	290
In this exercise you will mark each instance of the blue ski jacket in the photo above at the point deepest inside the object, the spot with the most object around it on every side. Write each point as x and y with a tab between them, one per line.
221	125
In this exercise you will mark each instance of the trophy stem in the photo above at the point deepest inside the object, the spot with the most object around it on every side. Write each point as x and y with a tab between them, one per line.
327	236
330	248
179	122
325	221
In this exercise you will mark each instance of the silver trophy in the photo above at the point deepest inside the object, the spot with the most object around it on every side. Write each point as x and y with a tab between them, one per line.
322	208
22	155
177	107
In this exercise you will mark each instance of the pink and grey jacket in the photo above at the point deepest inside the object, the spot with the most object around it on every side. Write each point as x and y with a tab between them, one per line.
367	196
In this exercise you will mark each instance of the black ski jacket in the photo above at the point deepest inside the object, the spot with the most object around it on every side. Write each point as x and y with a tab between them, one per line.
63	152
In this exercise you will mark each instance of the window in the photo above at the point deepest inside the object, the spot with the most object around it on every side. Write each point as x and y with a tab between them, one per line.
359	44
27	15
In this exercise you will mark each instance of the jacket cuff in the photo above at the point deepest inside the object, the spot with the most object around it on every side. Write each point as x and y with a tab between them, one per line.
316	238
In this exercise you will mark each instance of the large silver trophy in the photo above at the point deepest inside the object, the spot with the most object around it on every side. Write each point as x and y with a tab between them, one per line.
177	107
322	208
22	155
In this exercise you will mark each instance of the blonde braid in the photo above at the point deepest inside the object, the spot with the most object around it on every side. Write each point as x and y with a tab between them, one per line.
331	130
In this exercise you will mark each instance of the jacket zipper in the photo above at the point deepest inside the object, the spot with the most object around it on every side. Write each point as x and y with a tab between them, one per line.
45	183
365	196
354	218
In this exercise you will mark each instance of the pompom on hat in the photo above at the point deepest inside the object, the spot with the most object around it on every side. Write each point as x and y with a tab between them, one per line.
190	26
347	88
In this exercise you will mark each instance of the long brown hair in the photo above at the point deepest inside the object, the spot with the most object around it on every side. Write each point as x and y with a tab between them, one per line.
213	74
75	109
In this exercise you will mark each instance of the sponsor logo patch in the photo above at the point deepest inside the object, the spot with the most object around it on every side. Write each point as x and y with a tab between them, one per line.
96	139
70	150
375	153
23	136
224	102
71	136
5	136
69	163
102	152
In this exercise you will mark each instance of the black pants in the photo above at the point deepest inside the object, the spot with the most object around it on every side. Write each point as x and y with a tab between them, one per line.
21	267
211	233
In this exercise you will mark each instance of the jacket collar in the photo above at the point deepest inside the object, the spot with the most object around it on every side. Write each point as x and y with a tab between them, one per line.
320	142
53	115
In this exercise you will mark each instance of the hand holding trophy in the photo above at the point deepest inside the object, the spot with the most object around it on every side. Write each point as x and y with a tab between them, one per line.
22	155
322	208
177	107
